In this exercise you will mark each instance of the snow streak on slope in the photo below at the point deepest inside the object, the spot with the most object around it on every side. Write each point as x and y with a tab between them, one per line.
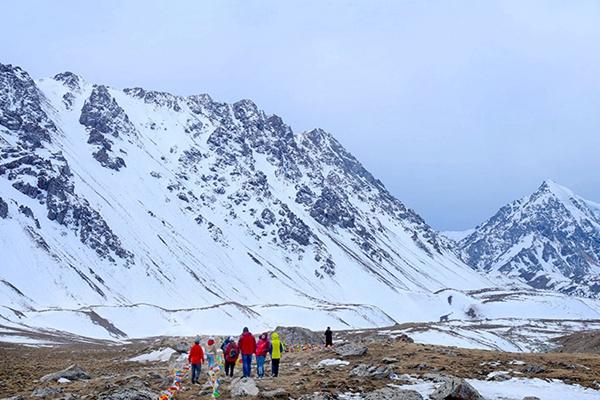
119	197
550	239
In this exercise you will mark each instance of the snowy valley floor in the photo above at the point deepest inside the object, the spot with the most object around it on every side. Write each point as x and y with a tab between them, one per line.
495	374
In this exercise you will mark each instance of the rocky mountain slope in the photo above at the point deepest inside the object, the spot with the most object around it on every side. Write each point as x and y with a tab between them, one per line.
136	200
549	240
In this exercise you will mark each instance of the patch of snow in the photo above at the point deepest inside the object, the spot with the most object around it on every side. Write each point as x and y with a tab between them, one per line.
332	362
160	355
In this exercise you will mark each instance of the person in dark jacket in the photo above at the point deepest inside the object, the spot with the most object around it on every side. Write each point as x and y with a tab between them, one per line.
231	354
328	337
195	358
247	346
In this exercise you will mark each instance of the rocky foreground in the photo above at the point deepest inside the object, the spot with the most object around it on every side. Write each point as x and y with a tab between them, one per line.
362	365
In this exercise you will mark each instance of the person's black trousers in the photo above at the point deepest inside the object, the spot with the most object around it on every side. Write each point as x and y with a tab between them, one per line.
229	368
275	367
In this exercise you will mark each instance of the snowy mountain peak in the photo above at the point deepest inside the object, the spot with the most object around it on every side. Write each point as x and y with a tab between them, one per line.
550	239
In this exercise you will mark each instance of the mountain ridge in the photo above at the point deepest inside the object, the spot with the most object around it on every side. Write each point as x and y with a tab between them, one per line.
114	196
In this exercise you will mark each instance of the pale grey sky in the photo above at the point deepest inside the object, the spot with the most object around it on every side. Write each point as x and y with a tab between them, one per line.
457	106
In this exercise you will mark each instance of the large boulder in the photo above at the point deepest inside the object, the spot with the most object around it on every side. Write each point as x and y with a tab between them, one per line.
243	387
390	393
455	389
351	350
72	373
182	347
294	335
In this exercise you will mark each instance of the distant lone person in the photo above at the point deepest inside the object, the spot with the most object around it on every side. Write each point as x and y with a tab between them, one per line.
247	346
328	337
195	358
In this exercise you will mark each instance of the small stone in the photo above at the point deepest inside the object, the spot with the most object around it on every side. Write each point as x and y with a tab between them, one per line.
274	394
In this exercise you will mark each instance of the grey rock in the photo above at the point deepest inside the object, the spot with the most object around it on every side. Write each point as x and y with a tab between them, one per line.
13	398
370	371
389	360
295	335
531	398
129	393
456	389
389	393
274	394
351	350
500	377
72	373
243	387
182	347
318	396
43	392
534	369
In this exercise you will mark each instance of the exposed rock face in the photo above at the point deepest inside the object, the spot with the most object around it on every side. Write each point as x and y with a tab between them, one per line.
106	121
72	373
3	208
549	240
21	107
456	389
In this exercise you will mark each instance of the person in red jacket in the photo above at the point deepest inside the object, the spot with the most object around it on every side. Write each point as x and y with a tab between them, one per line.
231	355
247	346
262	348
196	357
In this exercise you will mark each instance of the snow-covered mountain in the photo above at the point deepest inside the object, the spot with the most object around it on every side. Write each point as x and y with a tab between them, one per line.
135	198
549	240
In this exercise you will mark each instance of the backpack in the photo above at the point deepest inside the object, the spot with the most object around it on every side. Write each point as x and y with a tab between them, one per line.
233	351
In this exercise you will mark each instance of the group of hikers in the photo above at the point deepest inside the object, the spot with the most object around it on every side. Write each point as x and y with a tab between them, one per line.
246	347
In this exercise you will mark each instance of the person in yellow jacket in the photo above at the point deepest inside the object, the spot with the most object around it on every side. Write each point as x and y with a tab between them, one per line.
275	350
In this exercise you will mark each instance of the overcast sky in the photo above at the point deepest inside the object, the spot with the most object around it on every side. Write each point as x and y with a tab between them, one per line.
457	106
